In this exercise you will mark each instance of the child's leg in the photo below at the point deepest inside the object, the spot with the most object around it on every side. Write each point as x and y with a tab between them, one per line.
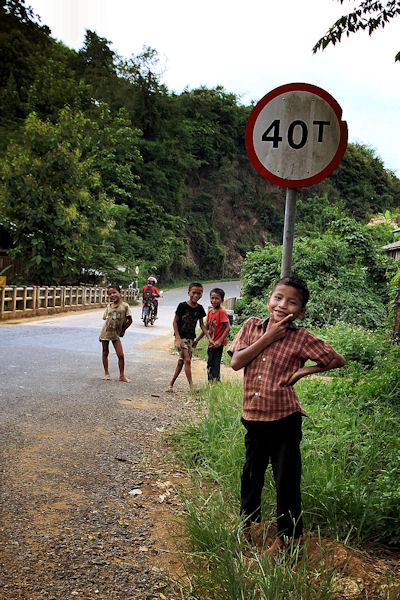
187	362
286	465
176	374
104	356
257	458
121	360
214	363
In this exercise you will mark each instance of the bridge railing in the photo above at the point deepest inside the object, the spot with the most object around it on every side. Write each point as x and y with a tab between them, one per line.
24	301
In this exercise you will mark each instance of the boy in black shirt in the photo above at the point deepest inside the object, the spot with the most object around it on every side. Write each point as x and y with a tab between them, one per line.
186	316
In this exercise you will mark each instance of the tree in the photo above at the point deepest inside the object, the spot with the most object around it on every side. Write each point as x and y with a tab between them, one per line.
370	15
24	46
51	200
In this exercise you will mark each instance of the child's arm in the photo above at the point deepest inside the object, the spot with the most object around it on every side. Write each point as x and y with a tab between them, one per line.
204	332
274	332
201	335
336	362
178	339
128	323
221	338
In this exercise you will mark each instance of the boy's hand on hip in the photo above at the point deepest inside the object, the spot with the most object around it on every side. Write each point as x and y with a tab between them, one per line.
295	377
278	330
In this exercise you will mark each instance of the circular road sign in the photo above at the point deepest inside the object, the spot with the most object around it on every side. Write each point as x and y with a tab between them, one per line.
295	136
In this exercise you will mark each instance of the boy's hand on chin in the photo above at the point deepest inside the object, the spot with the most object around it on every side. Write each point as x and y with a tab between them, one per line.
278	329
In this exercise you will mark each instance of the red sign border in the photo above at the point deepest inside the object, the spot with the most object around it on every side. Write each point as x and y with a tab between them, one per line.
257	164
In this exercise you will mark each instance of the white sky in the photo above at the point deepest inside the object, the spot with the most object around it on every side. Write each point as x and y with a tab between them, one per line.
250	47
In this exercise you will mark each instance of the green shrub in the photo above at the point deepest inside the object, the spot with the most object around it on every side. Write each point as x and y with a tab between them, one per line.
361	347
345	271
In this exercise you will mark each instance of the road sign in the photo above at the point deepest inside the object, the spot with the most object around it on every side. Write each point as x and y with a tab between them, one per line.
137	270
295	136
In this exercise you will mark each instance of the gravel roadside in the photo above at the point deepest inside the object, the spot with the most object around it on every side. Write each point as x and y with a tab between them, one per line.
86	499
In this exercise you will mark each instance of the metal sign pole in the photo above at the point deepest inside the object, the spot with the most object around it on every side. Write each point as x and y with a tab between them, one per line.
288	232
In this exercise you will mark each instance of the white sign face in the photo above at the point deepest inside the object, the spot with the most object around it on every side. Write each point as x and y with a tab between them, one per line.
137	270
294	135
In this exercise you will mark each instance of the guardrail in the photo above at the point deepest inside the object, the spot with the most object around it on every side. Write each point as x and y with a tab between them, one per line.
23	301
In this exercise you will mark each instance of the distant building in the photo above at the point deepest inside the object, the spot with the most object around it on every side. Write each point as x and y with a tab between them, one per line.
393	250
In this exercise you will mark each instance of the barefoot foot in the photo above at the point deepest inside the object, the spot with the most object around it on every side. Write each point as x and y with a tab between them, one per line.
107	377
125	379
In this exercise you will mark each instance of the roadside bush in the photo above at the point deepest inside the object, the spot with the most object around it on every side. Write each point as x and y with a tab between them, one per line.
344	269
255	307
362	348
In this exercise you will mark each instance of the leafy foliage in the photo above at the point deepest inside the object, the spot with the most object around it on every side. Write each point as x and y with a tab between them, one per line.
364	349
346	273
68	216
368	15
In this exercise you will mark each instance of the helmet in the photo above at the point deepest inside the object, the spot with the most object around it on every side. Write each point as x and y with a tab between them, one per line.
151	280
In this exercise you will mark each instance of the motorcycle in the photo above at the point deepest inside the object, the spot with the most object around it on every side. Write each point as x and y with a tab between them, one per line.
148	315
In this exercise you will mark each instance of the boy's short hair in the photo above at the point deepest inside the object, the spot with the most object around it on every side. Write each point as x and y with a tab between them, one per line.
297	283
114	286
192	285
218	291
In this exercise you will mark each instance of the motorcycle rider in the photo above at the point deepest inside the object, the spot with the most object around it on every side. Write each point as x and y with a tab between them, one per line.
150	292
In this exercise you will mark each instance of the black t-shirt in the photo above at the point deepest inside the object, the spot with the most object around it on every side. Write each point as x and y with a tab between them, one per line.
187	319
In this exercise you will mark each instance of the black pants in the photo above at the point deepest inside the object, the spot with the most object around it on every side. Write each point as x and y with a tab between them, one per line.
214	363
277	442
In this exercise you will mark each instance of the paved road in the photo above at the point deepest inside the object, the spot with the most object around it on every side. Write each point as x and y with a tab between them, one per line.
46	357
72	446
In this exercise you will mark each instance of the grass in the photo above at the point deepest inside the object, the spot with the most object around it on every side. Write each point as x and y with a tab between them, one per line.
220	566
350	483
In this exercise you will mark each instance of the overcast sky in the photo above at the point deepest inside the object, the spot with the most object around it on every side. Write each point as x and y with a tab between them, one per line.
251	47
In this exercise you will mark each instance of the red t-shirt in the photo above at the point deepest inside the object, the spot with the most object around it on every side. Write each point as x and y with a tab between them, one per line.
216	320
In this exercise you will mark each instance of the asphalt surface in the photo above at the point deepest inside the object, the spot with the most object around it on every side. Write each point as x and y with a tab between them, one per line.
73	447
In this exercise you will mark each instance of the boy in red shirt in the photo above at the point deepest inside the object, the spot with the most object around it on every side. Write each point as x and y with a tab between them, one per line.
218	328
273	353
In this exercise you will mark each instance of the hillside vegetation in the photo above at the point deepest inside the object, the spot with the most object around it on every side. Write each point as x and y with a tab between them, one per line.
104	167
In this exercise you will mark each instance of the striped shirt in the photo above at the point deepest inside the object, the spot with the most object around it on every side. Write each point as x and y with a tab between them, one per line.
266	395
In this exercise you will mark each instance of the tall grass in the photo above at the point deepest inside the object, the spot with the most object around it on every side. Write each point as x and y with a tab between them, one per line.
350	483
220	565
